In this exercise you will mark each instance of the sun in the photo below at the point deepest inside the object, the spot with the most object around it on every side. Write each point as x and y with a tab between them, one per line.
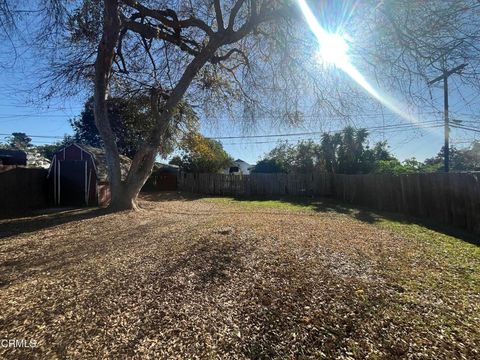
333	46
333	50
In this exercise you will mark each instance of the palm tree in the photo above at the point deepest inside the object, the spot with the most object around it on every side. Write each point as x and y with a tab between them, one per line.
329	151
351	150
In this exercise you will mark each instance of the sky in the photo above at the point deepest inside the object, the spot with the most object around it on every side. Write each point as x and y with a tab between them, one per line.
47	121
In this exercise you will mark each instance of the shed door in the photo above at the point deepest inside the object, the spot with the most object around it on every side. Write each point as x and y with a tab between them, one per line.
166	182
73	182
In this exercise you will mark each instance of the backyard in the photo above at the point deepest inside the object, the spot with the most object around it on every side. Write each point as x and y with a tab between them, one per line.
193	277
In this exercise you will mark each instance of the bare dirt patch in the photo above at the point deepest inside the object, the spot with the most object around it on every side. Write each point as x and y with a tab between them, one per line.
192	278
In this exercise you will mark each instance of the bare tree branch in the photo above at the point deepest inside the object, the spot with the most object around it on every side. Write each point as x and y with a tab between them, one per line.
218	15
233	14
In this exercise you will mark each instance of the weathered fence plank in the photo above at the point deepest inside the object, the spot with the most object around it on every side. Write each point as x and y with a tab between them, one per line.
23	189
448	198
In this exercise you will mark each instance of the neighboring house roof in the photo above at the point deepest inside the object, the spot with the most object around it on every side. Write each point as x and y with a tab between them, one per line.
162	167
241	161
100	160
13	157
36	160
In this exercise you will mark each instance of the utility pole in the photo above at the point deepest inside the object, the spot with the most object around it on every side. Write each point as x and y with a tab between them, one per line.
444	77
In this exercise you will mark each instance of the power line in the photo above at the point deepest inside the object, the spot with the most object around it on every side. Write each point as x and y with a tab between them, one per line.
38	136
465	128
391	127
393	130
39	107
32	115
313	139
407	126
343	116
44	113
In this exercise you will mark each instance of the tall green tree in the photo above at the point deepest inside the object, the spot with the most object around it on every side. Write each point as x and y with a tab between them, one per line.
201	155
374	157
19	141
345	152
299	158
268	166
329	151
351	150
467	159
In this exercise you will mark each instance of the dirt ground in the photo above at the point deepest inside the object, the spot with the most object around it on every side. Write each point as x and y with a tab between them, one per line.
219	278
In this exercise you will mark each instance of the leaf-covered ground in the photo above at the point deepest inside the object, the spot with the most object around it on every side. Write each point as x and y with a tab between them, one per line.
223	278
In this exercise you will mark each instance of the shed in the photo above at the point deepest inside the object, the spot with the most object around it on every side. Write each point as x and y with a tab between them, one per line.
78	176
163	177
13	157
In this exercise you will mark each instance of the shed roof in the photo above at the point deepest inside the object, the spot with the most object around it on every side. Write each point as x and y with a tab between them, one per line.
13	157
100	161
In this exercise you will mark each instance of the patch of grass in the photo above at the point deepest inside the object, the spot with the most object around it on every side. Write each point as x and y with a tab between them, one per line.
453	256
297	204
442	243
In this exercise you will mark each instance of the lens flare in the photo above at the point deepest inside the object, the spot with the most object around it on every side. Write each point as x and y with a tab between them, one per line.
334	50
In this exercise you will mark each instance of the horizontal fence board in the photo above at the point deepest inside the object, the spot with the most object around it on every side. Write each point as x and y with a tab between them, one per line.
452	198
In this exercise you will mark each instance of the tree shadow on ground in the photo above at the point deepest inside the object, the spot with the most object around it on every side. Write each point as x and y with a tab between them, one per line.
208	262
46	218
169	196
325	205
367	215
35	220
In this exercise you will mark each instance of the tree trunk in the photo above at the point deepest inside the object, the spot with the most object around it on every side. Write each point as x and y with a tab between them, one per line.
103	66
124	197
140	170
125	193
127	200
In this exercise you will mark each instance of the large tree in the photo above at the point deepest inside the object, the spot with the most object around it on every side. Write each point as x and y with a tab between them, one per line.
201	40
19	141
224	55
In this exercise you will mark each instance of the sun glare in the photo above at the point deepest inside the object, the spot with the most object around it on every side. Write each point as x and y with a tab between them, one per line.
333	49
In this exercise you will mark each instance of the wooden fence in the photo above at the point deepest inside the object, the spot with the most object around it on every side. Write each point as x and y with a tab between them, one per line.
23	189
447	198
257	184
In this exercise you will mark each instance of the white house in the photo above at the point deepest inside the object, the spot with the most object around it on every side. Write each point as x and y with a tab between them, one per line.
239	167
